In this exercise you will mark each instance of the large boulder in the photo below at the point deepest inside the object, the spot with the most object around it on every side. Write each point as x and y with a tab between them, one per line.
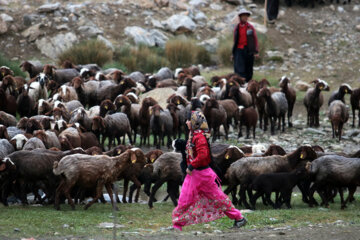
152	37
179	24
46	8
159	94
302	86
34	32
52	46
210	44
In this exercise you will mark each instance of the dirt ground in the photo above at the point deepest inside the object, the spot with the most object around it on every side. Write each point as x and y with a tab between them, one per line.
325	232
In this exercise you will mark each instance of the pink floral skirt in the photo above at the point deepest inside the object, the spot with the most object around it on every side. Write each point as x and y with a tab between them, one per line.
202	200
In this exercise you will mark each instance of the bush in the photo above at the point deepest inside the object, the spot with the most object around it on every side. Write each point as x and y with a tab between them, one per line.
181	53
140	58
263	45
13	65
224	50
115	64
89	51
203	56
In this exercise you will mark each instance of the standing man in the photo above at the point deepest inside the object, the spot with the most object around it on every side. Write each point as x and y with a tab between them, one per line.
245	46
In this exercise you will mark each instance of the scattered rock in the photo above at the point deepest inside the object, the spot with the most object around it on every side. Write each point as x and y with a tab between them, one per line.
179	24
33	32
66	226
215	6
274	54
46	8
357	27
340	9
314	131
3	27
6	18
210	44
356	8
16	229
107	225
199	3
52	46
152	37
90	31
234	2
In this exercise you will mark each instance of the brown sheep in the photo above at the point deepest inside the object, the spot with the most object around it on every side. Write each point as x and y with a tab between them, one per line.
313	101
161	125
245	170
144	114
7	103
106	107
340	93
216	116
4	133
240	96
60	76
131	110
31	69
112	126
290	95
152	155
355	104
338	116
67	93
231	109
49	138
173	109
89	172
248	117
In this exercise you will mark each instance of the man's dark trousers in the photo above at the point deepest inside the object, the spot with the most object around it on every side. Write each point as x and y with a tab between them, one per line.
243	63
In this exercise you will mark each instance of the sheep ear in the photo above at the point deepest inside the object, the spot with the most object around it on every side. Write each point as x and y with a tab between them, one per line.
133	157
2	167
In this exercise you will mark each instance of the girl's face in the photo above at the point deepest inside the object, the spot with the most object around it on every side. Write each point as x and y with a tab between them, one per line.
244	17
188	124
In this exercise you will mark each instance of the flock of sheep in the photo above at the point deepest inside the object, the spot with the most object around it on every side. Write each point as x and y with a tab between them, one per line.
67	113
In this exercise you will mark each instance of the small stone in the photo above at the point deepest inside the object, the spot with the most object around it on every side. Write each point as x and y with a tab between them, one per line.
3	27
357	27
46	8
66	226
340	9
215	6
332	7
16	229
356	8
6	18
107	225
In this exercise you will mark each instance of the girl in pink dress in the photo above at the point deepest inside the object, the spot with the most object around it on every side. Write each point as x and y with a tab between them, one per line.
201	198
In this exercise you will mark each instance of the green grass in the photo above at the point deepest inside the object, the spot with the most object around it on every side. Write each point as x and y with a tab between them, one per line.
13	65
45	222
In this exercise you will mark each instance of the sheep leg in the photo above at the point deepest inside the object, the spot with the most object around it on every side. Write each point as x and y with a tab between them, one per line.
333	130
156	186
240	129
359	118
111	195
350	197
268	199
290	110
67	189
304	188
272	120
312	200
353	120
247	132
343	202
226	128
173	188
265	122
131	192
255	197
242	194
126	184
340	130
138	187
59	190
283	122
254	132
99	188
279	122
317	122
287	198
129	137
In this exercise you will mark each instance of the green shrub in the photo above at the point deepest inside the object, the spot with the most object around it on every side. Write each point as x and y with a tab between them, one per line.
140	58
224	50
13	65
203	56
263	45
89	51
115	64
181	52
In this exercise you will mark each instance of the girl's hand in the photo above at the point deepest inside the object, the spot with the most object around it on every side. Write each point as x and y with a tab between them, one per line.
188	171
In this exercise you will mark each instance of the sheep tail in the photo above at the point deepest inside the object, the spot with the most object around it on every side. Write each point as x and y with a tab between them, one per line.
309	167
56	169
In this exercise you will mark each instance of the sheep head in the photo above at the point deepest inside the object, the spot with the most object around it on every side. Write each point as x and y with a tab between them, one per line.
253	86
77	82
172	108
283	81
98	124
6	71
177	100
42	78
117	75
22	123
4	133
121	100
106	106
18	141
156	110
321	85
300	154
237	79
40	134
26	66
212	103
32	125
234	153
149	101
68	64
275	150
345	88
264	93
153	155
49	69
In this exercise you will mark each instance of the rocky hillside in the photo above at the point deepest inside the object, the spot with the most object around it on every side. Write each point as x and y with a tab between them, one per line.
304	43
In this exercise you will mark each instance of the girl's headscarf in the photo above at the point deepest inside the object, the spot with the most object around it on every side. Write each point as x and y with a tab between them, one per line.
198	122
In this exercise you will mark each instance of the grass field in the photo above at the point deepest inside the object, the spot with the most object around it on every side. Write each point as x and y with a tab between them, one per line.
46	223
